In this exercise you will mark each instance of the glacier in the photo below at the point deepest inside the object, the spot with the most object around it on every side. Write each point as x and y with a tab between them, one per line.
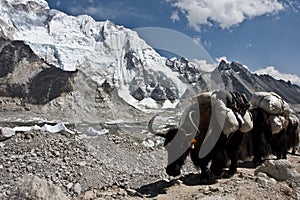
103	51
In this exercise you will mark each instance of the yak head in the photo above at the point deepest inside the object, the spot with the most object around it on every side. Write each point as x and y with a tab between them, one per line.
178	141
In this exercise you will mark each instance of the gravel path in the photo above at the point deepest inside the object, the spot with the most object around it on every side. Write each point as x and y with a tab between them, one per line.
115	165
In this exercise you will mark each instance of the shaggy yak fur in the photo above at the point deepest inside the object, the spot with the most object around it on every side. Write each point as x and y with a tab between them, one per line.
292	136
264	143
226	147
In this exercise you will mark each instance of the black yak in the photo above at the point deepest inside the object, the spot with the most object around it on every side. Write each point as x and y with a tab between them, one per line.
201	136
265	143
292	135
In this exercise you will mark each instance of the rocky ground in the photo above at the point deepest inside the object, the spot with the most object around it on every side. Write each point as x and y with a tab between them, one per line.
124	163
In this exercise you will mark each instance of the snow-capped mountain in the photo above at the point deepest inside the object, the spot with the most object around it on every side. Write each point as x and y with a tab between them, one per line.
56	63
105	52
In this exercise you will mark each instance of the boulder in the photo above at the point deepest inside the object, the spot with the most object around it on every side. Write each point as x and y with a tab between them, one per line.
33	187
281	170
6	133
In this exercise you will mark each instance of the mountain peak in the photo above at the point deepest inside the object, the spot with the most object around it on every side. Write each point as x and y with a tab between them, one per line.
223	65
103	51
104	58
235	66
41	2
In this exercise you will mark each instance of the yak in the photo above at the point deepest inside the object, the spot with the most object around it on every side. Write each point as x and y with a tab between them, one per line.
264	143
193	135
292	136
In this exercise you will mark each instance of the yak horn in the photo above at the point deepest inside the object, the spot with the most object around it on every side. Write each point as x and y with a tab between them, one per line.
156	132
191	119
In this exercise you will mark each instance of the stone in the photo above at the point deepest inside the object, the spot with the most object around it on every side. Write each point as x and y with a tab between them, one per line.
281	170
263	181
82	163
89	195
33	187
69	186
77	188
6	133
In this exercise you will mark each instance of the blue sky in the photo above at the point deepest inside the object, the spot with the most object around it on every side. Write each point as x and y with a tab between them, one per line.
264	35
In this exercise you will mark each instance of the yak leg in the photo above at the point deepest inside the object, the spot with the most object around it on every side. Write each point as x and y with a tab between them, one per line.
233	149
279	144
261	148
218	162
294	150
205	176
219	157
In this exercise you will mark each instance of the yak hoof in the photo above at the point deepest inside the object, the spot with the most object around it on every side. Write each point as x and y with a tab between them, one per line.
207	178
256	162
228	174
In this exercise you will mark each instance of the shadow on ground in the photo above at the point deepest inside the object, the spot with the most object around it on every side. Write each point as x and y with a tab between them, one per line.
192	179
160	187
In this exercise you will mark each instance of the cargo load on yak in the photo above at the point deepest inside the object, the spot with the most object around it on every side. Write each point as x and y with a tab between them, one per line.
278	110
231	110
270	102
293	118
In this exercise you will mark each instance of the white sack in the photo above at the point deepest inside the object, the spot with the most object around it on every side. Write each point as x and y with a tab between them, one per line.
248	122
226	115
271	102
294	119
277	123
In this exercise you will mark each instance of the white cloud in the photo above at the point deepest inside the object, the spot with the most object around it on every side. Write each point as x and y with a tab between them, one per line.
89	10
248	46
222	58
272	71
204	66
209	67
224	13
175	16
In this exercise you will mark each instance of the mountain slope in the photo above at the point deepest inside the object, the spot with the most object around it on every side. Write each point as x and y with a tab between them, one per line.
107	53
237	78
86	69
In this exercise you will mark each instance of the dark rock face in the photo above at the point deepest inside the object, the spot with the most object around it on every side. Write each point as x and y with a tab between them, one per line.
138	94
11	54
170	94
107	87
158	94
132	61
237	78
48	85
188	73
25	76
